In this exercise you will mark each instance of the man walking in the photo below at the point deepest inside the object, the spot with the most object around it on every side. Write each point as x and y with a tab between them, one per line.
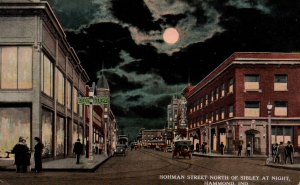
222	148
289	152
78	147
240	149
38	150
248	149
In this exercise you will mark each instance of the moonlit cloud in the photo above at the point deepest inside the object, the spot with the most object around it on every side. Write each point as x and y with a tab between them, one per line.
154	87
258	4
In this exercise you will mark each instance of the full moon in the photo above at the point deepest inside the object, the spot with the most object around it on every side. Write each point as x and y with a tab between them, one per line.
171	35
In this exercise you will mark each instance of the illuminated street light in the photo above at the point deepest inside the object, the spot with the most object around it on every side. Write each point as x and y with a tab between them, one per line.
269	107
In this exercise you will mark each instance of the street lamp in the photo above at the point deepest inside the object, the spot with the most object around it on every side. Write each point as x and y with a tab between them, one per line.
269	107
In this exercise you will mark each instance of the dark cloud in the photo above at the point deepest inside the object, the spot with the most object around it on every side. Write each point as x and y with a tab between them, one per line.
144	72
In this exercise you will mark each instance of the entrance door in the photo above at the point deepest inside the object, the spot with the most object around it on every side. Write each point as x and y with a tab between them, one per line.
253	137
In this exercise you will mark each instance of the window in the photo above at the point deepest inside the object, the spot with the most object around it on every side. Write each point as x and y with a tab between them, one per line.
212	96
252	82
69	95
16	67
282	134
252	109
230	111
281	108
206	99
47	76
217	115
230	90
280	83
80	109
201	103
75	100
222	113
217	93
223	90
60	87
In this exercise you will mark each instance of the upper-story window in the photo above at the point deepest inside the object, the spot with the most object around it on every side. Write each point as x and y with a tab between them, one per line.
201	103
222	113
252	82
69	95
281	108
197	104
75	100
281	82
252	109
217	93
47	76
230	111
80	108
60	87
217	115
212	96
222	90
206	99
16	67
230	88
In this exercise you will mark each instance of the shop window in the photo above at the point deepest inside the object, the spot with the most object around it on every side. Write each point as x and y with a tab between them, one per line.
60	136
280	108
252	109
282	134
16	67
230	111
281	82
14	123
252	82
47	133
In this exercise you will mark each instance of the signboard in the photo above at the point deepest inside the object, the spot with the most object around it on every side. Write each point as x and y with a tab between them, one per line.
97	100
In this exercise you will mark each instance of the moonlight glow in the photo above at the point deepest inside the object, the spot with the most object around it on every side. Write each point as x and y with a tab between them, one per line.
171	35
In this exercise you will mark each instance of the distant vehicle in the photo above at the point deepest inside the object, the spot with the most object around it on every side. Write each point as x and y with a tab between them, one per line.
182	148
120	150
123	139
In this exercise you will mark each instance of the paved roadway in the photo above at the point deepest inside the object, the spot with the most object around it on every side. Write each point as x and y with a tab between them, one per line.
150	167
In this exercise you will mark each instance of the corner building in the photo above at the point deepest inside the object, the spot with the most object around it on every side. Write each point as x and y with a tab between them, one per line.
230	104
41	79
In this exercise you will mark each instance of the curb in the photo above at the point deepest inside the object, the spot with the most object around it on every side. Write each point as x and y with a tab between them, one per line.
233	156
283	167
93	169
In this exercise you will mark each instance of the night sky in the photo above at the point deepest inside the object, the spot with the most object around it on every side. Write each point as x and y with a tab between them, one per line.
143	71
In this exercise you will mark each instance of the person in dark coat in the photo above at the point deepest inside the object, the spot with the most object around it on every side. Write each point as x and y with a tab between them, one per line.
197	147
240	148
289	152
222	148
21	154
78	147
87	149
38	150
248	149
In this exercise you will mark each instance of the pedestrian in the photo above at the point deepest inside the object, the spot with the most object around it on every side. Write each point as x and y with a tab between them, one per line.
240	148
38	150
197	147
28	156
248	149
275	153
87	149
21	154
78	147
289	152
203	148
222	148
281	153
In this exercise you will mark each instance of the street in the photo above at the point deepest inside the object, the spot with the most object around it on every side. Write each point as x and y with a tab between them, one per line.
155	167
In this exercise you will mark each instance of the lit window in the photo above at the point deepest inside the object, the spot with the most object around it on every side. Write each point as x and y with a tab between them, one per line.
217	115
206	99
75	100
217	93
252	109
223	90
230	111
230	89
280	108
280	83
252	82
282	134
201	103
60	87
16	67
222	113
212	96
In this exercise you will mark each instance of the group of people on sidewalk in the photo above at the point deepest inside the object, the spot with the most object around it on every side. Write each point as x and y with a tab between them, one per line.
281	154
23	155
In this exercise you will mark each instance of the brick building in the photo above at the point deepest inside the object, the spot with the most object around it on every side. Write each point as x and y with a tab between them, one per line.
230	104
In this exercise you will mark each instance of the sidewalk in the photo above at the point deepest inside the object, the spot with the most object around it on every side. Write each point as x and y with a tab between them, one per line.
65	164
295	166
